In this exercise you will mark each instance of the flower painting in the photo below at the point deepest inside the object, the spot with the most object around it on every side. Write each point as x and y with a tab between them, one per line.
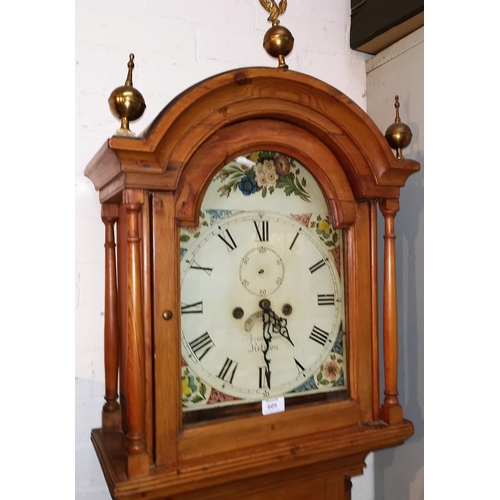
331	370
193	389
263	172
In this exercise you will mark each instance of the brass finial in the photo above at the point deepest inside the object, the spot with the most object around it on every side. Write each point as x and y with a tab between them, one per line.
126	102
278	41
398	134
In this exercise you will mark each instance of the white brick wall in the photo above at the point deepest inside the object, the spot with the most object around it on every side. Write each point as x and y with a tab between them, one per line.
176	44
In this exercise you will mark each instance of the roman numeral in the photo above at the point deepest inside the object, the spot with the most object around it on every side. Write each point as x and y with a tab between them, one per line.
201	345
196	308
263	230
317	266
300	368
228	369
295	239
264	378
195	265
231	245
319	336
326	299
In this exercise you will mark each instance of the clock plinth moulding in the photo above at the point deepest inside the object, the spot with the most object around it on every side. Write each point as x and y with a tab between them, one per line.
153	186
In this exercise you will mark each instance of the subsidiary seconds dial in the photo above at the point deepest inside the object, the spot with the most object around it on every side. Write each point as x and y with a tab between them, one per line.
261	271
260	305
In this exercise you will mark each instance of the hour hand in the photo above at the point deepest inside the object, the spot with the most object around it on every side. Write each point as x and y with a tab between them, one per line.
270	318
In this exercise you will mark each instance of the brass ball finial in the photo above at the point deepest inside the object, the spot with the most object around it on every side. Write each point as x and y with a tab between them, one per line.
278	41
126	102
398	134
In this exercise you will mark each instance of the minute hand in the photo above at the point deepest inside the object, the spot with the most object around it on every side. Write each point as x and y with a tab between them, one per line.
270	318
267	340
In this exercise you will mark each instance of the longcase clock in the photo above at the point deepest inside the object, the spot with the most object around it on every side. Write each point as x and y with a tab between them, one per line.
241	310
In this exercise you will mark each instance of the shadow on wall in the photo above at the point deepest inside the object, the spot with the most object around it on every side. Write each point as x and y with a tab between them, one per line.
89	479
399	471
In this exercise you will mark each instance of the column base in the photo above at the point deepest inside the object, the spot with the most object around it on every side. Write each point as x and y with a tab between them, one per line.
392	414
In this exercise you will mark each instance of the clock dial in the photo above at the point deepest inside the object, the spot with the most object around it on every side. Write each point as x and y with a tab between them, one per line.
262	306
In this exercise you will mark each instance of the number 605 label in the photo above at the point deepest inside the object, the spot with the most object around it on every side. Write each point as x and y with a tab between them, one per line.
273	405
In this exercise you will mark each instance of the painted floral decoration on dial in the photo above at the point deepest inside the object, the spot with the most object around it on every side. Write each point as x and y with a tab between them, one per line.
263	172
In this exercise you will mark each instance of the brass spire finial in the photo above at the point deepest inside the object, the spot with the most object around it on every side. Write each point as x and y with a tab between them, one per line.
398	135
131	67
126	102
278	41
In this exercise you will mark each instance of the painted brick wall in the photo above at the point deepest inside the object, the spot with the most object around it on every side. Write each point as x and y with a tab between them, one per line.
176	44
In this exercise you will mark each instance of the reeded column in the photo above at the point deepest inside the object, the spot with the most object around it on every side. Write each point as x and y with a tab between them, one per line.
137	464
111	413
391	409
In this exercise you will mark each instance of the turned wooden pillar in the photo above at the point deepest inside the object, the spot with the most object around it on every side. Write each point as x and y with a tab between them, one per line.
137	459
375	327
391	409
111	412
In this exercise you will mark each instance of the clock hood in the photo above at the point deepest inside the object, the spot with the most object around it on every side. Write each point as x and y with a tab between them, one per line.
159	156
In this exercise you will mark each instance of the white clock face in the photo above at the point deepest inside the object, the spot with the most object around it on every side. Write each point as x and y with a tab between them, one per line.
262	305
233	266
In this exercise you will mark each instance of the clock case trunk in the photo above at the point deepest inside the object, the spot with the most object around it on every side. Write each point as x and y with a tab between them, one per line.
149	186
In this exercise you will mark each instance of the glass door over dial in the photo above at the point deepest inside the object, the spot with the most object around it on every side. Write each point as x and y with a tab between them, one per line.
262	288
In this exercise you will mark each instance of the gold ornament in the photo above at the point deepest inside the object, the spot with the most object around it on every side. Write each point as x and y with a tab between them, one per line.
278	41
398	135
274	10
126	102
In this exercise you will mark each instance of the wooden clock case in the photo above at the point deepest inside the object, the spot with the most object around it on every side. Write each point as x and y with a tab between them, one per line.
149	186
